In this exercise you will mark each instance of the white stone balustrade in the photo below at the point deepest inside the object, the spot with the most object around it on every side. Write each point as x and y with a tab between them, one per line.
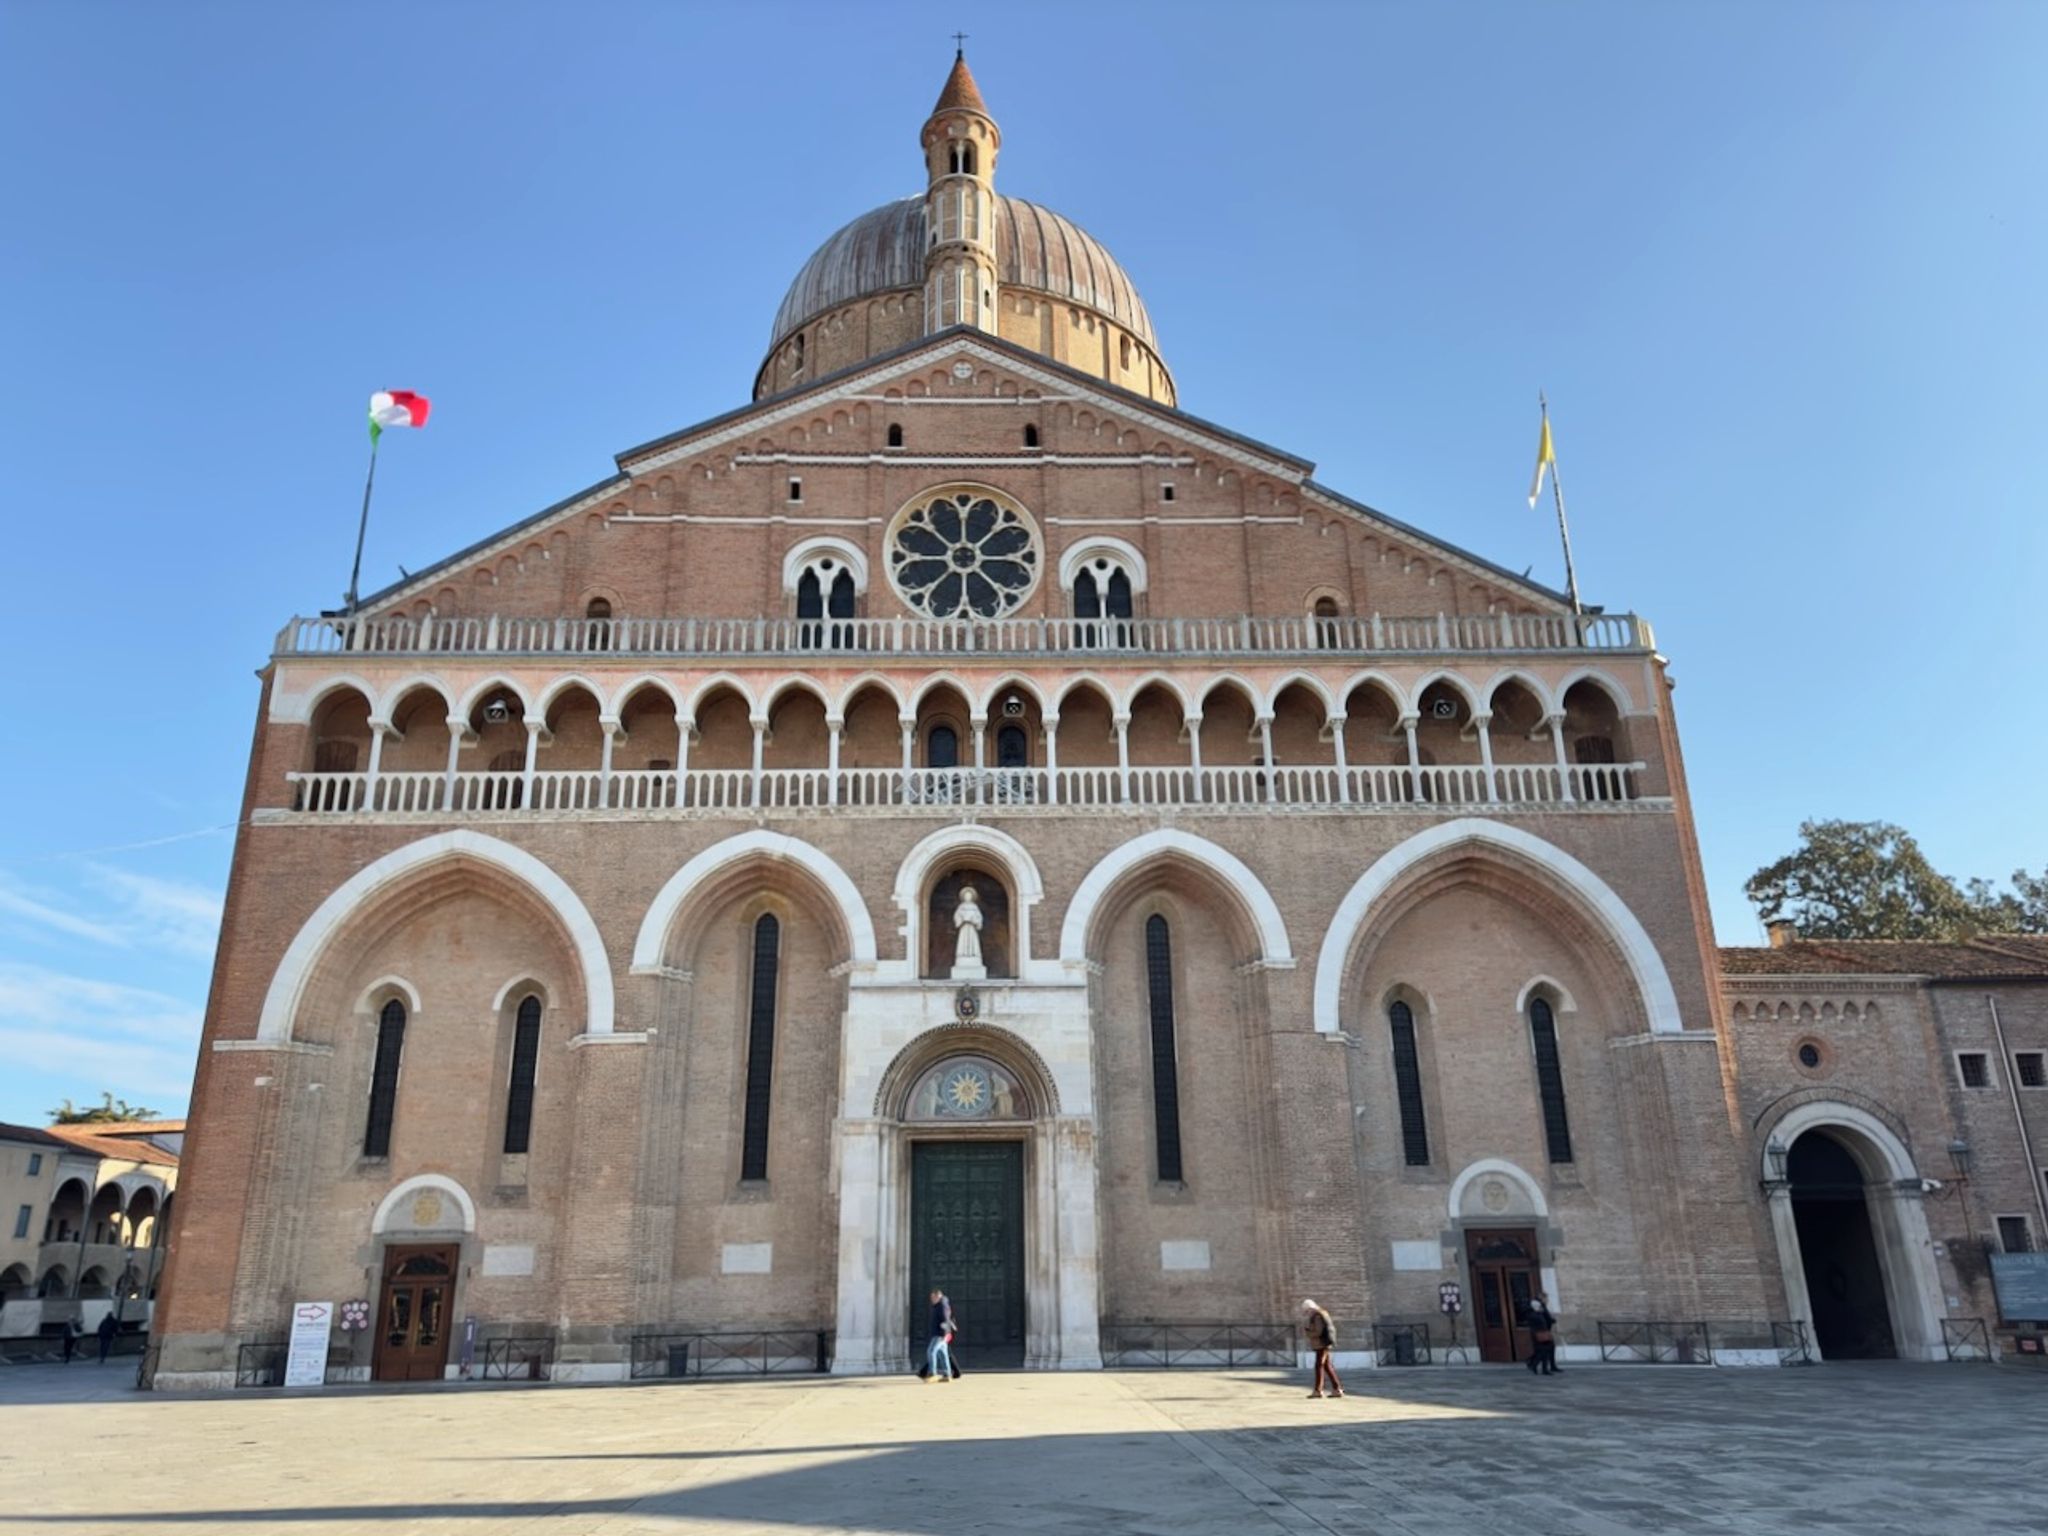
1600	786
1363	634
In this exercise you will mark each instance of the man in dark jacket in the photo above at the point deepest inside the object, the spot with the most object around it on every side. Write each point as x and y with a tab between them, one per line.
1542	1325
107	1329
1321	1334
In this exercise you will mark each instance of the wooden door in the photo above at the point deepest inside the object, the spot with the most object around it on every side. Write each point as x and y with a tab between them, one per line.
1505	1275
967	1239
414	1314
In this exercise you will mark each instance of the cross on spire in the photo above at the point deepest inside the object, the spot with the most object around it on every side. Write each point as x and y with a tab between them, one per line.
959	45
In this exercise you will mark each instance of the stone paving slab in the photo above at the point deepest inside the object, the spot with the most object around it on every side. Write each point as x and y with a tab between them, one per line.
1883	1449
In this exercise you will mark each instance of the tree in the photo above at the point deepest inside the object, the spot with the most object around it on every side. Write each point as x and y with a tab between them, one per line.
109	1111
1869	880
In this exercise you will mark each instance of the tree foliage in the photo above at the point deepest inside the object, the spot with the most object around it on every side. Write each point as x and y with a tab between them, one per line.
1869	880
109	1111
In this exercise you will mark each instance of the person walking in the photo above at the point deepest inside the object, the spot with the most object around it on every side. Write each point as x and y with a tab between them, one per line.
106	1330
938	1348
71	1335
1542	1325
1321	1334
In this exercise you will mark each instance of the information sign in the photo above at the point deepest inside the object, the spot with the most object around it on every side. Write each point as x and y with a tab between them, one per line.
305	1363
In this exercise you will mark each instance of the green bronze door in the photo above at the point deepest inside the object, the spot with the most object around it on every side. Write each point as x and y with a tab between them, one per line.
967	1238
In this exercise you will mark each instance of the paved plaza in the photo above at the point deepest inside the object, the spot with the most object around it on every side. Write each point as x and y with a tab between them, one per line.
1617	1452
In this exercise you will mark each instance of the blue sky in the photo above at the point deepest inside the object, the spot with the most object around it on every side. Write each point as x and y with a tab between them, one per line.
1779	269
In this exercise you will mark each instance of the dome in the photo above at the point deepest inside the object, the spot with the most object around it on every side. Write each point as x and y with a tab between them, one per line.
1035	249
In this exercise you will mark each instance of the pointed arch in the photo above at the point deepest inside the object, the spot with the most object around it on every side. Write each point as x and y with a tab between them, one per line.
1603	680
1172	843
309	945
1231	680
837	885
923	859
1450	680
1087	682
1315	685
877	681
1536	686
795	682
301	710
1023	682
710	685
1375	679
1189	709
561	685
384	709
496	683
1638	951
633	687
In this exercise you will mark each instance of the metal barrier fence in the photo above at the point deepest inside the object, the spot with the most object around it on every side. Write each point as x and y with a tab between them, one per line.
1966	1338
518	1359
766	1352
1789	1339
1401	1343
1654	1343
261	1364
1196	1346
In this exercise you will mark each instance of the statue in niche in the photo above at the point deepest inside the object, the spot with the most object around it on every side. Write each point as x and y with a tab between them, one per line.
967	964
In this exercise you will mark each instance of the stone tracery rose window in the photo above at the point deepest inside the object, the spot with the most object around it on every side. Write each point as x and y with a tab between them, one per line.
963	552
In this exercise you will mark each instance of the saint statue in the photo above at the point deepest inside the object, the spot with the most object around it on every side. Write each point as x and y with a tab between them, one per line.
967	965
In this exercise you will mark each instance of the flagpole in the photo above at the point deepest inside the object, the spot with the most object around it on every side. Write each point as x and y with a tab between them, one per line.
363	526
1564	531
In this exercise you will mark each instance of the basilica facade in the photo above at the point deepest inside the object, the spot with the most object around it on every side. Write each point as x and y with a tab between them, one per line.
961	820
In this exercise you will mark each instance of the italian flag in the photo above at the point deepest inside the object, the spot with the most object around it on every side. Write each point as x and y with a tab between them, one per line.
396	408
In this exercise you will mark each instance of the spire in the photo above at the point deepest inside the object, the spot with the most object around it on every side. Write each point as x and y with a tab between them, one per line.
961	93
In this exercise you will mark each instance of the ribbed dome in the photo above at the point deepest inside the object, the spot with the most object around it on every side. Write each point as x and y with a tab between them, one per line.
1035	248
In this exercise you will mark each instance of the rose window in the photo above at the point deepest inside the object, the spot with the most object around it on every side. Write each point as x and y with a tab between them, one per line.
963	554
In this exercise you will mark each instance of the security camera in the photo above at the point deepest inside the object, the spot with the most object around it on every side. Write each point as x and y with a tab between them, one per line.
1013	705
1930	1186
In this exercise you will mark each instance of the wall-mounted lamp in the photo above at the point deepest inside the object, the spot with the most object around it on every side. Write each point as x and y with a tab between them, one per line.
1959	1154
1775	1153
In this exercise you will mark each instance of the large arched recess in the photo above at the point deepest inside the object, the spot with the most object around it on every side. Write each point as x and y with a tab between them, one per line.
715	866
1557	871
420	860
1263	931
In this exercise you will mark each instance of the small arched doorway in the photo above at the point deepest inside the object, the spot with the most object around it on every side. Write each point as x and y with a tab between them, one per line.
1838	1253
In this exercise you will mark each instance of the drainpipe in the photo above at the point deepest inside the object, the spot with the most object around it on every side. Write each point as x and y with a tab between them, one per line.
2019	1119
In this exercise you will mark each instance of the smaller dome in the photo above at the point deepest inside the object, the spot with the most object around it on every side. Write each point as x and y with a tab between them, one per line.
1035	249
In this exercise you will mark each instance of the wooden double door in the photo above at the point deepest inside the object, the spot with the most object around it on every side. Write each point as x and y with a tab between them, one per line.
1505	1275
414	1313
967	1239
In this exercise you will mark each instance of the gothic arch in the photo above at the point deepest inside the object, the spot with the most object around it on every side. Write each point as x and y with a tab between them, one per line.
915	872
934	1045
1607	910
1254	899
370	883
836	885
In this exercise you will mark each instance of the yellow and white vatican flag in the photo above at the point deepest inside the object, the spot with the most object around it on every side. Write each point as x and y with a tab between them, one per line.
1546	462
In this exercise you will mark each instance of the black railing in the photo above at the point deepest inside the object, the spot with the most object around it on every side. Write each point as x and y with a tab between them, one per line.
1789	1339
766	1352
1401	1343
261	1364
518	1359
1966	1338
145	1367
1196	1346
1654	1343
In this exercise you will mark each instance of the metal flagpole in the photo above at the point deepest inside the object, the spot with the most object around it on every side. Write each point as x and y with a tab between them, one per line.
1564	532
363	526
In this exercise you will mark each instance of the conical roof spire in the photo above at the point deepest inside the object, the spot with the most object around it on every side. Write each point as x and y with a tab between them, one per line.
961	93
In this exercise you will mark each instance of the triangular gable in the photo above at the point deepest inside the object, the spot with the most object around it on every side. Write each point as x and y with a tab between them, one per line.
746	423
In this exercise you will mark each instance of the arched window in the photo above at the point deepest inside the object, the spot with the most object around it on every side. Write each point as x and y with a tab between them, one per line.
525	1059
1408	1086
1557	1130
895	434
384	1079
760	1047
1012	747
797	361
598	608
942	747
1030	435
1124	351
1165	1069
810	595
1087	597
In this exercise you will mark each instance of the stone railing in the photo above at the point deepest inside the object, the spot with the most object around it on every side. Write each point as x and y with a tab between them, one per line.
995	638
728	790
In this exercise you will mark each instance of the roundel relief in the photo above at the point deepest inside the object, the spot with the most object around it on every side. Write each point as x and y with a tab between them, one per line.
963	552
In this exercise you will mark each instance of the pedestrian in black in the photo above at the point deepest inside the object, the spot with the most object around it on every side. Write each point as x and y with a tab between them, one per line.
1542	1325
106	1330
1321	1334
71	1333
